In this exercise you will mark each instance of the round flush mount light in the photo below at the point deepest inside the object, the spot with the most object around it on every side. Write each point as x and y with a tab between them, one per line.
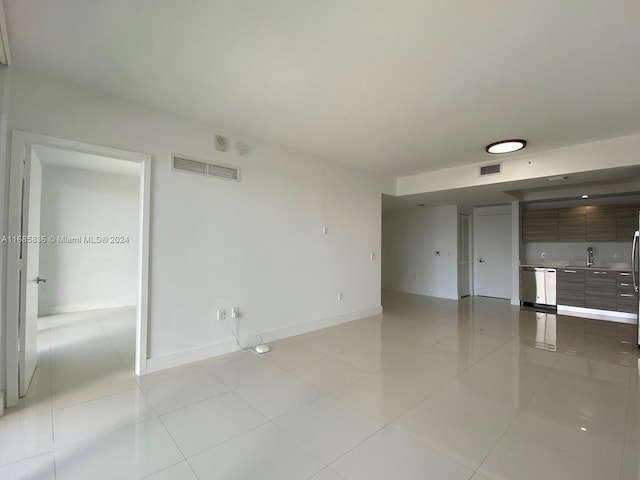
506	146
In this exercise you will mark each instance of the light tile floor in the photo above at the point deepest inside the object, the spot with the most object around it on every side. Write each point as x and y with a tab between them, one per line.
433	389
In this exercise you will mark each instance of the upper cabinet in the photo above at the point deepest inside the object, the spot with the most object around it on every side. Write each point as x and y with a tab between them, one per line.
626	221
594	223
601	223
540	226
572	224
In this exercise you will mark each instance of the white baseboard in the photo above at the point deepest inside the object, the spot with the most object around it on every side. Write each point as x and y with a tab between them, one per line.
83	307
1	403
202	353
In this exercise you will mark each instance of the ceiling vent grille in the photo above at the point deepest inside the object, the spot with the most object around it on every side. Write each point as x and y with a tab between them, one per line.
490	169
200	167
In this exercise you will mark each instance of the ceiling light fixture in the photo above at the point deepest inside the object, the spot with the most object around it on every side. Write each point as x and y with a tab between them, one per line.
506	146
584	196
558	178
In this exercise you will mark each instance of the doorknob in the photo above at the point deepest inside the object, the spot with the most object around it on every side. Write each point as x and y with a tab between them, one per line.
481	260
41	280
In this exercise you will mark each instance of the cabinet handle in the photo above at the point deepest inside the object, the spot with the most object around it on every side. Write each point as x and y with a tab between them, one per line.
599	273
570	271
624	284
624	274
627	295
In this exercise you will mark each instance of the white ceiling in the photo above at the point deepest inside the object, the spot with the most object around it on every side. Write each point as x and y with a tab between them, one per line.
67	158
399	87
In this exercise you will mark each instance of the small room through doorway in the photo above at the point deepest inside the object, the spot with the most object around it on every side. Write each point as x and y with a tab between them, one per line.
78	287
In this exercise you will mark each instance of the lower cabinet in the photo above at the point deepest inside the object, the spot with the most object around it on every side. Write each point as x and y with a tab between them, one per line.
600	290
570	287
597	289
627	296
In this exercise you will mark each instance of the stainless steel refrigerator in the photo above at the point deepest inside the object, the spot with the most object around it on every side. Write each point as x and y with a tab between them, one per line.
634	274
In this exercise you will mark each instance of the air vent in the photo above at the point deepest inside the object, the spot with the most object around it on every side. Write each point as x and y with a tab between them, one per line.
191	165
221	171
490	169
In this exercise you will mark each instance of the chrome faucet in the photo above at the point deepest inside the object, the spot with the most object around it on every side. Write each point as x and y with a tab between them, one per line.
590	257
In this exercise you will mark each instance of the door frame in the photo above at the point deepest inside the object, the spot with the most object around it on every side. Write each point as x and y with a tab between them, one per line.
20	141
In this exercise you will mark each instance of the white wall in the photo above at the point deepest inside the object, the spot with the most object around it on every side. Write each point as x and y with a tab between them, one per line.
412	238
77	202
256	244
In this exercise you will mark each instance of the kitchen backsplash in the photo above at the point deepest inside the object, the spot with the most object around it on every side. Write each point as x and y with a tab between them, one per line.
603	252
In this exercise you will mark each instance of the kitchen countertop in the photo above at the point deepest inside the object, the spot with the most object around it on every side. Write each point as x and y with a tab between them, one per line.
613	267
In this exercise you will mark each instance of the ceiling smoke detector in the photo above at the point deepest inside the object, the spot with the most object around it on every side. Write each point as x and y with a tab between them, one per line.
506	146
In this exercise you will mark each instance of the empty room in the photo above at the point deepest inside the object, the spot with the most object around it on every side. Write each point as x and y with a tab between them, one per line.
319	241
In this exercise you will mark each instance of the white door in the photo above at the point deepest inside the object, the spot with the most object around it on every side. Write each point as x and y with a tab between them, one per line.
29	272
492	255
464	267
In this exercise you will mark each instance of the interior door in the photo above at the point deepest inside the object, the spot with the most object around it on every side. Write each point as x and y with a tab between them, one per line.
493	255
29	271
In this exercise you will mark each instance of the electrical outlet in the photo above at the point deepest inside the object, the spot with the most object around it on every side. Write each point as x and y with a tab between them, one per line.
235	312
340	296
222	314
325	231
615	256
373	255
543	255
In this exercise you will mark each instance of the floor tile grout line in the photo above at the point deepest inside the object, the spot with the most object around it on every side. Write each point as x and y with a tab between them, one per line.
626	430
520	410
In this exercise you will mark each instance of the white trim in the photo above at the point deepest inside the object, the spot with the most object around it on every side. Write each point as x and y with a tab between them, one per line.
607	315
84	307
19	141
155	364
5	53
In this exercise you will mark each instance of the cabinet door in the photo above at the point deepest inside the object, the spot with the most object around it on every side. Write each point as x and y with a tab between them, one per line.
572	224
601	223
600	291
540	225
626	221
627	296
570	287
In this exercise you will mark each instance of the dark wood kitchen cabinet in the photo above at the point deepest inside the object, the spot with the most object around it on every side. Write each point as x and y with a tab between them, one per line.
601	289
626	222
540	225
601	223
627	297
570	287
572	224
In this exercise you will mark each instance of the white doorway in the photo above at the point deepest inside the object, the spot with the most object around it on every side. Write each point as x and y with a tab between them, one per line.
23	275
492	252
464	255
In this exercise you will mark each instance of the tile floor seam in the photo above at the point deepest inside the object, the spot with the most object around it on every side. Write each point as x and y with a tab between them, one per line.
300	445
520	410
112	394
108	337
626	430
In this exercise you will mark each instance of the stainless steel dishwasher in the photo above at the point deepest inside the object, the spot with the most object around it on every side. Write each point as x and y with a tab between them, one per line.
539	285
